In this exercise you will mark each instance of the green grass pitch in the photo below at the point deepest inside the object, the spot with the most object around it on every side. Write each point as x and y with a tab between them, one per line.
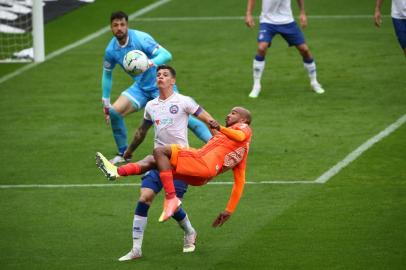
52	125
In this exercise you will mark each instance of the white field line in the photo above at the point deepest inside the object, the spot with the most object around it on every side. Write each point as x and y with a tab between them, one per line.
239	18
361	149
145	10
320	180
82	41
41	186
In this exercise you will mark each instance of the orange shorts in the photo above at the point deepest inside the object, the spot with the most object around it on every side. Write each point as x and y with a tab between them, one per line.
187	162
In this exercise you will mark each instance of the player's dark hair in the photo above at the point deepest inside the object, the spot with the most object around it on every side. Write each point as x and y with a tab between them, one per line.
171	69
118	15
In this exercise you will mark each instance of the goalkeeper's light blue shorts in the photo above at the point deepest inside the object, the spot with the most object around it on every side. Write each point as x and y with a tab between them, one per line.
152	180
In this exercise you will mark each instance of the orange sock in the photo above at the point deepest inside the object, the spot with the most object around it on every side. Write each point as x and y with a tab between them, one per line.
167	182
129	169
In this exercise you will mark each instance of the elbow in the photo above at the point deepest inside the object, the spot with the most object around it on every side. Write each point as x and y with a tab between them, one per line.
168	56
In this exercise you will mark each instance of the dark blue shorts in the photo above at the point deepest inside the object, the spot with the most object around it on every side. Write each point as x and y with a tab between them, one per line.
152	180
400	29
290	32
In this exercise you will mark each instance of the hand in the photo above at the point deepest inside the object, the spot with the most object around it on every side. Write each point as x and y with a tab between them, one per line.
127	154
150	64
303	20
106	111
249	21
221	219
214	124
377	18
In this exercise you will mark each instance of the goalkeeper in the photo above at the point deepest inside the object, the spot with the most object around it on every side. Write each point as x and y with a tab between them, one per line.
144	87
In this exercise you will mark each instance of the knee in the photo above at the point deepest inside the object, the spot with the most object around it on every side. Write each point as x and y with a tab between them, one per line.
146	197
160	152
261	51
262	48
115	114
157	152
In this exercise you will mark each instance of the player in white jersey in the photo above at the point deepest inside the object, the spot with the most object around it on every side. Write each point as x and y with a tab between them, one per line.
170	117
398	14
144	87
277	18
169	114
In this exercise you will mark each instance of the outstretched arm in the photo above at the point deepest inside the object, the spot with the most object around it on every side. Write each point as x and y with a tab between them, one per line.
231	133
161	56
236	192
377	15
139	137
302	16
107	82
249	20
204	116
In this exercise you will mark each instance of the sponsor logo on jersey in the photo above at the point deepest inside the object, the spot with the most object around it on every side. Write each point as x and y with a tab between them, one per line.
234	157
174	109
163	122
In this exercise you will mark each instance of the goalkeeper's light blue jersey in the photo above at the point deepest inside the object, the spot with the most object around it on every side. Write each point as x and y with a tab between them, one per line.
137	40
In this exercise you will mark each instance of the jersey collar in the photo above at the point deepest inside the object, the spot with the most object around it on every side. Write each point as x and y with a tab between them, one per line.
168	99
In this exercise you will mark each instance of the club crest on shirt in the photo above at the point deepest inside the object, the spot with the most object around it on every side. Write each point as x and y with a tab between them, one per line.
174	109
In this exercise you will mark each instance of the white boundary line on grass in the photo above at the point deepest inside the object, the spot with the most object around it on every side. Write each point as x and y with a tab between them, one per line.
138	184
239	18
361	149
320	180
82	41
135	15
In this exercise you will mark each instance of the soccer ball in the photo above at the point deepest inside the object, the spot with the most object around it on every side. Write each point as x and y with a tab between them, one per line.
135	62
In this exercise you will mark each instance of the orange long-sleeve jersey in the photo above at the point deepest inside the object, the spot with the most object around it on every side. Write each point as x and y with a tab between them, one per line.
228	149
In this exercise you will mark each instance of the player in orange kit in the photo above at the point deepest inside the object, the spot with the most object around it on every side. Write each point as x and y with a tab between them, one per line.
227	149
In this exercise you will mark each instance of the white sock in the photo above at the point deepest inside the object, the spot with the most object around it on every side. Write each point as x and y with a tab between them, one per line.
258	69
139	225
186	225
311	70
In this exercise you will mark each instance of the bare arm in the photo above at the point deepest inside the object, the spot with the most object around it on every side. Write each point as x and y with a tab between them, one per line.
302	16
377	14
139	137
207	119
249	20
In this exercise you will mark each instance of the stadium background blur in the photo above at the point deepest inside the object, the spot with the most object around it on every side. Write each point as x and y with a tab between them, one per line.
52	125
